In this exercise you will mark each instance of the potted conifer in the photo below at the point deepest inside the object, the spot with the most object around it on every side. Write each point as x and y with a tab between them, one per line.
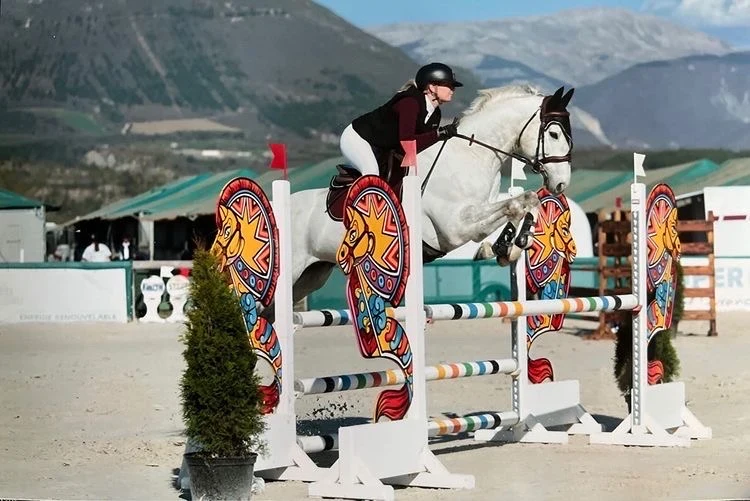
660	348
221	399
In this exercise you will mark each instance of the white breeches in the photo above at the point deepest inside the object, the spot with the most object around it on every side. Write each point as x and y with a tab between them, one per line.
358	152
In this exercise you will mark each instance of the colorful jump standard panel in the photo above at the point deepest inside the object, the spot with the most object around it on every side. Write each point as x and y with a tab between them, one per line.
389	452
659	416
284	458
558	403
254	244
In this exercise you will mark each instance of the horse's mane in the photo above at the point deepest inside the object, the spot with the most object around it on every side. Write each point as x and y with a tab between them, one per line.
491	95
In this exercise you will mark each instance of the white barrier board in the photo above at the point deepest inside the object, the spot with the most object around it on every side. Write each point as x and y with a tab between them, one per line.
63	295
732	283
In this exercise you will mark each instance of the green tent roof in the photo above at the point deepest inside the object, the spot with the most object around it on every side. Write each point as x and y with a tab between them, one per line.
201	198
10	200
197	199
592	189
132	206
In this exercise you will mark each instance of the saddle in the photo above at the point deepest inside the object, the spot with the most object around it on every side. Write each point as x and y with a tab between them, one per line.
389	166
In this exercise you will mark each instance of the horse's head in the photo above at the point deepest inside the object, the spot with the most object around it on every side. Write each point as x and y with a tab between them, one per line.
546	141
358	241
563	240
228	242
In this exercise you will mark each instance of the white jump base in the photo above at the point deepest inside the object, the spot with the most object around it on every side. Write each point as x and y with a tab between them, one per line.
373	457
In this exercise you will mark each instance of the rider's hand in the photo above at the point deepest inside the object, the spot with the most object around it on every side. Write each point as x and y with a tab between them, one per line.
448	131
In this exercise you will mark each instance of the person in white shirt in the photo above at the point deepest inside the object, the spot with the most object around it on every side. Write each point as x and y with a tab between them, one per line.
126	252
96	252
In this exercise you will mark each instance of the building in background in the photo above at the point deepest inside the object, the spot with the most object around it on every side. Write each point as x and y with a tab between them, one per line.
22	228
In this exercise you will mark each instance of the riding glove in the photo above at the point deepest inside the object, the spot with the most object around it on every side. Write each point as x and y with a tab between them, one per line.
448	131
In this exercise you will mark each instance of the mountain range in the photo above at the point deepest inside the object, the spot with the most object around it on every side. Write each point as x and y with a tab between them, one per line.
294	71
287	69
642	82
575	47
691	102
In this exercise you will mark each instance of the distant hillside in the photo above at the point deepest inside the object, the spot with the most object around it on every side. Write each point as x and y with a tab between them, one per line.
291	70
694	102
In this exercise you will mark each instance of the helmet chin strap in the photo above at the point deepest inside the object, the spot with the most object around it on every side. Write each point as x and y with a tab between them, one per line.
433	96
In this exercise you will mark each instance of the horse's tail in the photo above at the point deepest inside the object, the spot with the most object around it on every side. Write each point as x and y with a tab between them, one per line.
539	370
655	372
393	404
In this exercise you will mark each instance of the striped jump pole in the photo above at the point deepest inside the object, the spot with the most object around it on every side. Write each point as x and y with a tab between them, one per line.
328	318
318	443
349	382
312	444
514	309
474	422
472	311
435	428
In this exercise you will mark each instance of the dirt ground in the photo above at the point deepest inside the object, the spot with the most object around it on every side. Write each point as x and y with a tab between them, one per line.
91	411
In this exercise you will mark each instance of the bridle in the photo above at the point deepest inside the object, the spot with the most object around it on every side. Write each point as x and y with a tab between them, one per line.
547	118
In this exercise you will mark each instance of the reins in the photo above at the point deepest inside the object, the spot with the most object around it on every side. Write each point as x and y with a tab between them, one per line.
537	164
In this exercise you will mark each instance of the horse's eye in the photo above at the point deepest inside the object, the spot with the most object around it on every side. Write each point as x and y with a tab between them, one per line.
226	231
352	235
554	135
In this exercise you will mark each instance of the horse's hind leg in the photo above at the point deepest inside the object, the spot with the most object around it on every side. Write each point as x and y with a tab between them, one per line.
312	279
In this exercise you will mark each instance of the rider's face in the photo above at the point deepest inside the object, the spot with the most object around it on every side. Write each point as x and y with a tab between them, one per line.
443	93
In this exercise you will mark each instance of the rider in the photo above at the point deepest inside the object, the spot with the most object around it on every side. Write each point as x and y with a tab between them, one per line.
412	114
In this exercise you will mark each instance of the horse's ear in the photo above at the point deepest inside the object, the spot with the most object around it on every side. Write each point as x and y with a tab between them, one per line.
223	212
558	94
565	100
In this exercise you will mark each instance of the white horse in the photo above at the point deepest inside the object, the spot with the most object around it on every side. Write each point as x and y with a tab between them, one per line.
462	200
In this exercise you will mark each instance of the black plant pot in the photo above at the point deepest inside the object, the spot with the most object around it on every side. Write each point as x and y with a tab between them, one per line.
218	479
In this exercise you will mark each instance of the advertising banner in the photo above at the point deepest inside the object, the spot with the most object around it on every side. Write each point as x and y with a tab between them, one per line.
42	294
732	284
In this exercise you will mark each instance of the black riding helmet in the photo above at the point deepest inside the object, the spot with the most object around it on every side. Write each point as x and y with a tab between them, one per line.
437	73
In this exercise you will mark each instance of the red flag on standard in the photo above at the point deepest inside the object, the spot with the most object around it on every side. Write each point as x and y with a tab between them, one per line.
279	156
410	153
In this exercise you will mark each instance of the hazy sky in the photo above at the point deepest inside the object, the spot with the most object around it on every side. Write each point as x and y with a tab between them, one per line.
728	19
365	13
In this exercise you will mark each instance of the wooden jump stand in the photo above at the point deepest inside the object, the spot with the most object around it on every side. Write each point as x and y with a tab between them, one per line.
700	249
615	266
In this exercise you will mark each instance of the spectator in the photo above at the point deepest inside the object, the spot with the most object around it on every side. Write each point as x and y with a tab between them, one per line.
96	252
126	252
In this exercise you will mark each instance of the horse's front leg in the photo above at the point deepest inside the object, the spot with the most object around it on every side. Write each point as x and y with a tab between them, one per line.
479	221
518	216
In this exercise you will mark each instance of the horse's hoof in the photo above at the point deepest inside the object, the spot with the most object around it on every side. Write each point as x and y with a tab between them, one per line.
503	261
515	253
484	252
